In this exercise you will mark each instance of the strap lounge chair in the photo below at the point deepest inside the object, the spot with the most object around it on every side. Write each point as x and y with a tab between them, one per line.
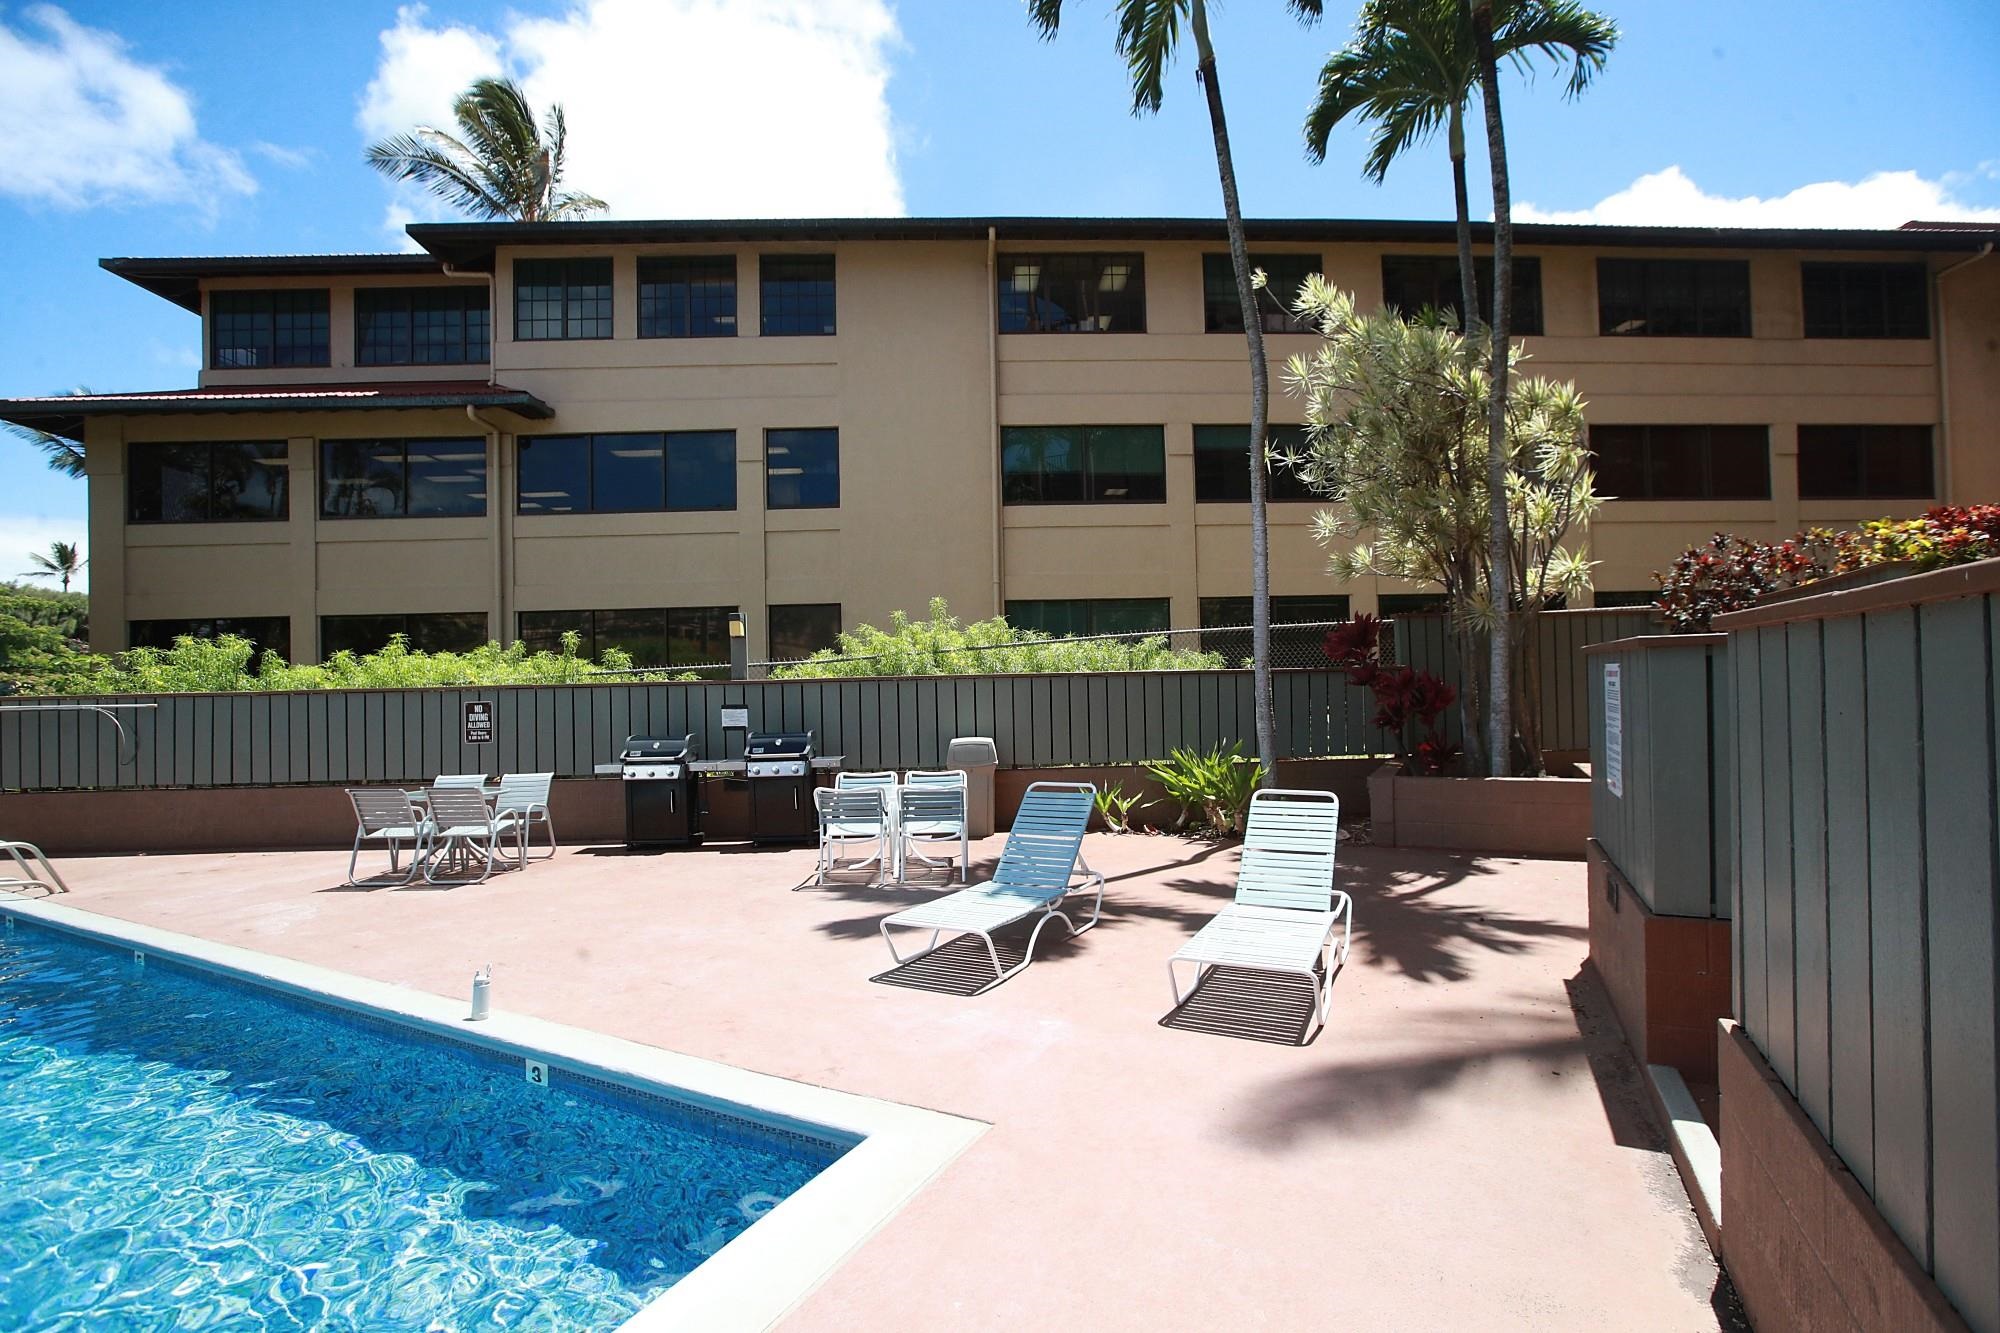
463	826
526	797
386	815
1039	868
1287	912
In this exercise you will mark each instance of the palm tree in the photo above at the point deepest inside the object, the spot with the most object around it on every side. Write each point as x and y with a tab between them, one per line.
499	165
63	560
62	455
1148	32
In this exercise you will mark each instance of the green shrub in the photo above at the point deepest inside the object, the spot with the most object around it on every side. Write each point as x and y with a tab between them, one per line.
1218	783
944	646
1115	806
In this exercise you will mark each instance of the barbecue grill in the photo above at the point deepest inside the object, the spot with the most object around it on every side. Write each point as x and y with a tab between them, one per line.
662	798
778	766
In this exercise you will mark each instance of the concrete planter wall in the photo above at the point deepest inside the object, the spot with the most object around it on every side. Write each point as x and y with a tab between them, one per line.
1508	816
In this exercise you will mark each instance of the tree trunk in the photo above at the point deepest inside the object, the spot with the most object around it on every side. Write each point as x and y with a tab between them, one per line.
1500	693
1468	273
1260	399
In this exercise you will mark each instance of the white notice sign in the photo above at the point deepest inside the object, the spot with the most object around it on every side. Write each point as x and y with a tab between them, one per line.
736	718
1614	730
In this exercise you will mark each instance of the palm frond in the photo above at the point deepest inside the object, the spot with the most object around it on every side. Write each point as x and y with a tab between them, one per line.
1046	15
500	164
1558	30
421	157
1148	32
1306	11
1401	122
62	454
1348	83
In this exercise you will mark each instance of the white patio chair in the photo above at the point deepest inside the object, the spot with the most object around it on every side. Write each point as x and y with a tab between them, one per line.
885	779
385	815
36	872
477	781
1287	912
526	797
1038	870
934	777
932	816
463	826
850	815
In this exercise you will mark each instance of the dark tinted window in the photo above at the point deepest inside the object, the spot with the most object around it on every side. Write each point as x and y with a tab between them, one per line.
1392	604
802	469
657	636
1682	462
253	330
1101	615
1674	297
1084	464
1865	462
803	629
627	472
1222	312
403	478
1412	284
1222	464
221	482
422	326
1866	300
1066	293
796	295
1289	647
1605	598
562	298
266	633
687	298
430	632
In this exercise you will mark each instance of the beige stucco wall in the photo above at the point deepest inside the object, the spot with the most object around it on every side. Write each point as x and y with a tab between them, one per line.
918	385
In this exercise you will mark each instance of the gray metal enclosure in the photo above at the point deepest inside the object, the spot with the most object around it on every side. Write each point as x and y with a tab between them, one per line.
1865	928
1671	833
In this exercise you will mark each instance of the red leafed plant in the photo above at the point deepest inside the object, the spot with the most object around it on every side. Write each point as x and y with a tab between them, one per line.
1406	700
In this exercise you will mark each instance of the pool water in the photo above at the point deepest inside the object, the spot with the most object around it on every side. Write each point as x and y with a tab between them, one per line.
179	1150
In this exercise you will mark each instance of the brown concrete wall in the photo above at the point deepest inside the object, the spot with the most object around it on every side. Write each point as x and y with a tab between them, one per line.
1800	1237
1508	816
1345	778
1668	976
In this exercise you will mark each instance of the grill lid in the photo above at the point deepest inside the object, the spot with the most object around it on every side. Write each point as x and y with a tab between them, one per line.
778	745
657	749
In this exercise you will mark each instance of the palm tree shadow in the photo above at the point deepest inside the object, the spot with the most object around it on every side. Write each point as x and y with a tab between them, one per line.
1403	922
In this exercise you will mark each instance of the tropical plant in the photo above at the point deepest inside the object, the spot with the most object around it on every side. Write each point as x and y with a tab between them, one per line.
499	165
1115	806
41	658
1395	413
61	453
1217	782
1148	33
944	646
66	612
1409	704
63	560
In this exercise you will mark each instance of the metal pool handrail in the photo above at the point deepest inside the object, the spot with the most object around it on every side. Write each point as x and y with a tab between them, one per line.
27	856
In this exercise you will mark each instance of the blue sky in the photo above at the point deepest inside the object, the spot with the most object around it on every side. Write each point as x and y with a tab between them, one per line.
135	129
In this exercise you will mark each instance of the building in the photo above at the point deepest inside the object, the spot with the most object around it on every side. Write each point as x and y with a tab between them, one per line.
821	422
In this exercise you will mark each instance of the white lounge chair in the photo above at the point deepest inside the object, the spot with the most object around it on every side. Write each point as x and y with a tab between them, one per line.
1039	868
386	815
36	872
526	797
932	816
849	816
1287	912
463	826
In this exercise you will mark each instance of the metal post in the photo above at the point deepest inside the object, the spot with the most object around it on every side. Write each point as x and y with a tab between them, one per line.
739	648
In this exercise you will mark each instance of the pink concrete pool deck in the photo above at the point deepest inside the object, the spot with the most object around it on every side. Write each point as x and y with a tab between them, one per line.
1466	1145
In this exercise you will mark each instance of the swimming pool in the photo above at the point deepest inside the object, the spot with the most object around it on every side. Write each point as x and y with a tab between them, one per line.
187	1140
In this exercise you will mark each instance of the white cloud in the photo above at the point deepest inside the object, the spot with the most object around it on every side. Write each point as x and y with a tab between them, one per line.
676	108
84	125
1671	199
24	534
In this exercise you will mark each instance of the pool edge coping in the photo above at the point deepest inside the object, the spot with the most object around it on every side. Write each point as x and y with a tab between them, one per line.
763	1273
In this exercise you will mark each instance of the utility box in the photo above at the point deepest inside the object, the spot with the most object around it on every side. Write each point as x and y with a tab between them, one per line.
979	757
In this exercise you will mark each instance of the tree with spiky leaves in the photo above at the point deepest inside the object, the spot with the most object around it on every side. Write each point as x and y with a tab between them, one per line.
62	454
63	560
500	164
1149	31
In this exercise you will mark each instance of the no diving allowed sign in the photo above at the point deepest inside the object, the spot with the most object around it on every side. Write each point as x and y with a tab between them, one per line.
478	722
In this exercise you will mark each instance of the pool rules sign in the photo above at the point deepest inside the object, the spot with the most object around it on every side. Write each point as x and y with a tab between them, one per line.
1614	730
478	722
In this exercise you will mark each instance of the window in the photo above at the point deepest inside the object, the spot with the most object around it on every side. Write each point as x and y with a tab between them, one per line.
1682	462
1222	464
1866	300
562	298
1412	284
1865	463
1103	615
658	636
1607	599
802	469
687	298
1392	604
1222	312
1064	293
266	633
1674	298
802	630
1289	647
434	632
224	482
422	326
1085	464
796	294
402	478
255	330
635	472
